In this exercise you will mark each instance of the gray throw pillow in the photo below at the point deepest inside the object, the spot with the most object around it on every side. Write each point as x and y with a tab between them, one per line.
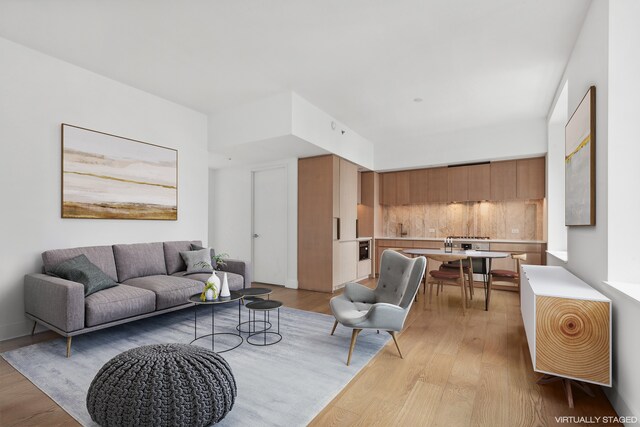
197	261
80	269
198	248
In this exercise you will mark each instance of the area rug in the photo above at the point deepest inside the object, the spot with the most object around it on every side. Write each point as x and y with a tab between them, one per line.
284	384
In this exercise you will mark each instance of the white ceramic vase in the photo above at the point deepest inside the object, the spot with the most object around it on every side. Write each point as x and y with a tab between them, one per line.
224	291
212	294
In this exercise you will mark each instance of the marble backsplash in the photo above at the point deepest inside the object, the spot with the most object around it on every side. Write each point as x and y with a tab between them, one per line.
496	220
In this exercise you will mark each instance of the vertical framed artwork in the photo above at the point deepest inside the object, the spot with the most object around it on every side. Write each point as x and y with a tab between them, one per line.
580	163
110	177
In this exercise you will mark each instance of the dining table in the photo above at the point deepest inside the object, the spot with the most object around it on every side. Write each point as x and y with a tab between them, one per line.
486	255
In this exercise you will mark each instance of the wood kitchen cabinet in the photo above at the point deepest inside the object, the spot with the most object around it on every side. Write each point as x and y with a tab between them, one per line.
388	193
458	185
419	186
403	188
327	250
530	178
503	180
479	182
438	190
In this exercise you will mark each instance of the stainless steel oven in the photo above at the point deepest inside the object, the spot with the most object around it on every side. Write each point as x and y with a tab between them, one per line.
364	247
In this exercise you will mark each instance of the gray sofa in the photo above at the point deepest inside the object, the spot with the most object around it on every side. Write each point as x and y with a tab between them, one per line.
152	280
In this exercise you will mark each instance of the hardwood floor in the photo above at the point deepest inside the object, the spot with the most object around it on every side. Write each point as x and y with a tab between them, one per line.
457	370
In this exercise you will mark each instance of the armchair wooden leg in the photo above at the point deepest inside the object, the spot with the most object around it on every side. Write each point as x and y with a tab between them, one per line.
68	346
335	325
33	330
393	335
354	336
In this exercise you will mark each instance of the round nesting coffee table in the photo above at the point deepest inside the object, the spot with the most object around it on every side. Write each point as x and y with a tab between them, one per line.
254	294
265	306
235	296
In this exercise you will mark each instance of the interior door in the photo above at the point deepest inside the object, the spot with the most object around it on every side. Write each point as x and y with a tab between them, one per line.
270	226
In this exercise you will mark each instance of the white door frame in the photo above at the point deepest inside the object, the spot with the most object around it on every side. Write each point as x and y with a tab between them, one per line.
284	166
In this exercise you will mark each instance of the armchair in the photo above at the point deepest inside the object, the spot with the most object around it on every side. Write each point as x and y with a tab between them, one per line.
384	308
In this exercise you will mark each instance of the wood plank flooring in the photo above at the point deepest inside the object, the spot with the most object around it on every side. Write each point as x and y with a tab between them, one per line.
457	370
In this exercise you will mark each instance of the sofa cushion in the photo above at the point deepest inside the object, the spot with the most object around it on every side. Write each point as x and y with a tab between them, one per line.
172	258
117	303
236	281
170	290
197	261
80	269
139	260
101	256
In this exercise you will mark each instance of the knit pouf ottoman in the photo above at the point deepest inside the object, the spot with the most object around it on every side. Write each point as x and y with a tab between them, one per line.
165	384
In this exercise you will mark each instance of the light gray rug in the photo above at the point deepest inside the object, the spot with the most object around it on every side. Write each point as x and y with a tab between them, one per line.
283	384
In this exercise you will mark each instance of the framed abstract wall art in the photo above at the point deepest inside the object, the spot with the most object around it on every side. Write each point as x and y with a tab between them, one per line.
110	177
580	163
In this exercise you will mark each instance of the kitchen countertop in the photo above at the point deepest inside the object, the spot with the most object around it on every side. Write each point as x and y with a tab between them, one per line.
441	239
358	239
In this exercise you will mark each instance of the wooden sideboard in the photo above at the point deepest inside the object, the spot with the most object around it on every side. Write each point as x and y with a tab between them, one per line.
568	327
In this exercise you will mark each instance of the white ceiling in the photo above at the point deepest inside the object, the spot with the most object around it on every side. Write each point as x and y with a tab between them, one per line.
475	63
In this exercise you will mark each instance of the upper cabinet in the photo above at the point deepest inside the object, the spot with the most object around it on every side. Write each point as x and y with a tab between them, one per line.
458	184
402	188
479	182
530	178
504	180
438	190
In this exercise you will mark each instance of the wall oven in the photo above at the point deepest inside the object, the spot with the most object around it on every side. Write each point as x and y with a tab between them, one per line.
364	250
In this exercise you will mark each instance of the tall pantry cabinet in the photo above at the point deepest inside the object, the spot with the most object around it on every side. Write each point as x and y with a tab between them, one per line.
327	214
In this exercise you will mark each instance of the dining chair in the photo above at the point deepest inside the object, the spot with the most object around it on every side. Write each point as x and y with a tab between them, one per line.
468	270
449	276
507	275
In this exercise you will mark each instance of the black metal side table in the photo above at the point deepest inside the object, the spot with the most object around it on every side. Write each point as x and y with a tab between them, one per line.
250	295
265	306
235	296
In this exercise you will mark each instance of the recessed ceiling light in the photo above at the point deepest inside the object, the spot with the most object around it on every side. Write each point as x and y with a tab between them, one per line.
417	99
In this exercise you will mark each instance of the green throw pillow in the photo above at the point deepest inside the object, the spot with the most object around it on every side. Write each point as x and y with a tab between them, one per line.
80	269
197	261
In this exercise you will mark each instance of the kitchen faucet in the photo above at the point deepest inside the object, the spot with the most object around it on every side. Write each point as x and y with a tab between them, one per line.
402	232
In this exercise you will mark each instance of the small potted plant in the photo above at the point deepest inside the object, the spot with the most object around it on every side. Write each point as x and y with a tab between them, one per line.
212	286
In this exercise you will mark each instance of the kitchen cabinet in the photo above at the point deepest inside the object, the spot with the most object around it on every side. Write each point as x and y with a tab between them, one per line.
479	182
348	195
530	178
458	185
366	208
419	186
503	180
388	191
327	213
438	191
403	188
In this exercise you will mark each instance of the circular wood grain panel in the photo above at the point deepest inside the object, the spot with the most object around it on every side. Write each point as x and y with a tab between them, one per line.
572	338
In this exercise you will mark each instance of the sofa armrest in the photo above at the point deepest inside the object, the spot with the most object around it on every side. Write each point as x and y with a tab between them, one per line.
57	301
238	267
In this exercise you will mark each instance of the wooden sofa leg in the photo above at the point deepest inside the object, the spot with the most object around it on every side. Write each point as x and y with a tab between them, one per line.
68	347
33	330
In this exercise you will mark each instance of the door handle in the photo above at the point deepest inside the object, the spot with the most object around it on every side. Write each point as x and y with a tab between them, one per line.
255	235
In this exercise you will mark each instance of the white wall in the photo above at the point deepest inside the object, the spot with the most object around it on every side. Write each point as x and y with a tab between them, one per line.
605	55
230	226
623	196
505	141
37	94
556	230
314	125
